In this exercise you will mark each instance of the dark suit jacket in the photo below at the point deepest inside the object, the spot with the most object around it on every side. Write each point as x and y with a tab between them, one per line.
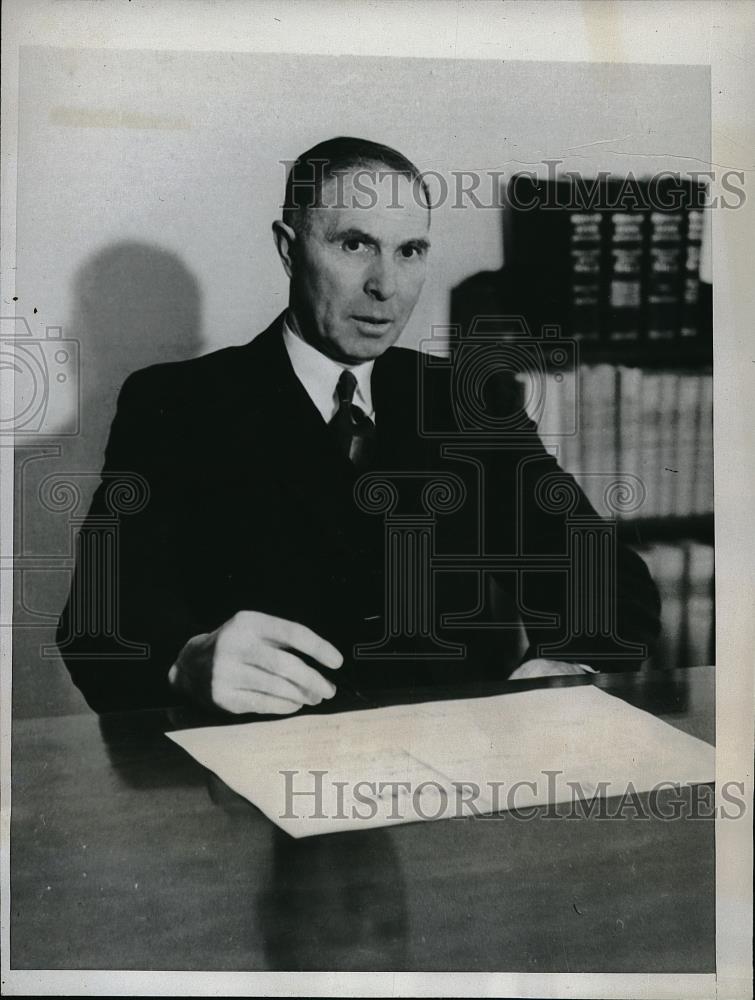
251	507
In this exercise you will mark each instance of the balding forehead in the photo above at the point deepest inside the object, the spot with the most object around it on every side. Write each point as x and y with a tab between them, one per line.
374	185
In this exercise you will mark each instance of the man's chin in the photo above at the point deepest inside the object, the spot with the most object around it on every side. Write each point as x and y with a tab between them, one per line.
360	357
368	347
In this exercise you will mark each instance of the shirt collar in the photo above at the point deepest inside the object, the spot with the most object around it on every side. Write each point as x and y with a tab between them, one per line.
319	375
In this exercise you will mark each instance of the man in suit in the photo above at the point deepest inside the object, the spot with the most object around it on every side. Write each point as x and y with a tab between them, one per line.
255	577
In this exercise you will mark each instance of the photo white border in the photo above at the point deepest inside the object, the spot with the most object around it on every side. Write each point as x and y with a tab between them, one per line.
720	34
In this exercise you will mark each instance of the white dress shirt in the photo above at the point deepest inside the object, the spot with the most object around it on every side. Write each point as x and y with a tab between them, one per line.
319	375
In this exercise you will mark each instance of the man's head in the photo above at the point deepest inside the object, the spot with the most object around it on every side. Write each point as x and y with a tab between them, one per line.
353	240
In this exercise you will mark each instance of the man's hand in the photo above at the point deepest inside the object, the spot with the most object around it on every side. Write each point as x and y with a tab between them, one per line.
253	663
548	668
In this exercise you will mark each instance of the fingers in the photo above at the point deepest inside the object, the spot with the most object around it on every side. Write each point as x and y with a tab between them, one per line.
241	702
284	665
571	668
521	673
253	664
268	681
547	668
299	638
270	672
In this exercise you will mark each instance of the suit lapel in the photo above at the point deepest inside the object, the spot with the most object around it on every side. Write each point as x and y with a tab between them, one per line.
395	388
281	432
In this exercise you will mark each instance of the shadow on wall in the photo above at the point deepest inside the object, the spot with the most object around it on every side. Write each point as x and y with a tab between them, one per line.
134	305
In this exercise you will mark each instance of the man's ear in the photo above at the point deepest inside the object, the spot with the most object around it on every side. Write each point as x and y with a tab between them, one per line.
285	243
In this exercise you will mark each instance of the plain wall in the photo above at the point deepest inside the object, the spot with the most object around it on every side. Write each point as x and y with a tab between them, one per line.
148	182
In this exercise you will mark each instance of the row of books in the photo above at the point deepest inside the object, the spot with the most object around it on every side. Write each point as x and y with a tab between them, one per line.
606	261
655	428
684	576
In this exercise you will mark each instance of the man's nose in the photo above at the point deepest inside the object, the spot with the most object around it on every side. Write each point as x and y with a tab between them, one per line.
381	280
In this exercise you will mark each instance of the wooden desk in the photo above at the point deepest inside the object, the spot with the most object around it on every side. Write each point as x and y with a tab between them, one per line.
126	854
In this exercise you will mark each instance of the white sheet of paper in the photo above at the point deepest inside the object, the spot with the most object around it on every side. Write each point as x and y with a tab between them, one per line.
435	760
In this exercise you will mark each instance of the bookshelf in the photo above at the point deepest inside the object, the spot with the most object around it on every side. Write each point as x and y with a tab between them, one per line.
618	278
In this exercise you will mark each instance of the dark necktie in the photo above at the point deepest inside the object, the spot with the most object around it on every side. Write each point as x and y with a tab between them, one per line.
352	429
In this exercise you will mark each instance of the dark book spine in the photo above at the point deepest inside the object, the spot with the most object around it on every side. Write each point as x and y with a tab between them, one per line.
690	319
586	270
625	286
539	217
665	273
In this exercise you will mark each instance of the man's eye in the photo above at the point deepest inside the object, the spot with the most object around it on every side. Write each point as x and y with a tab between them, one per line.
411	251
353	244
